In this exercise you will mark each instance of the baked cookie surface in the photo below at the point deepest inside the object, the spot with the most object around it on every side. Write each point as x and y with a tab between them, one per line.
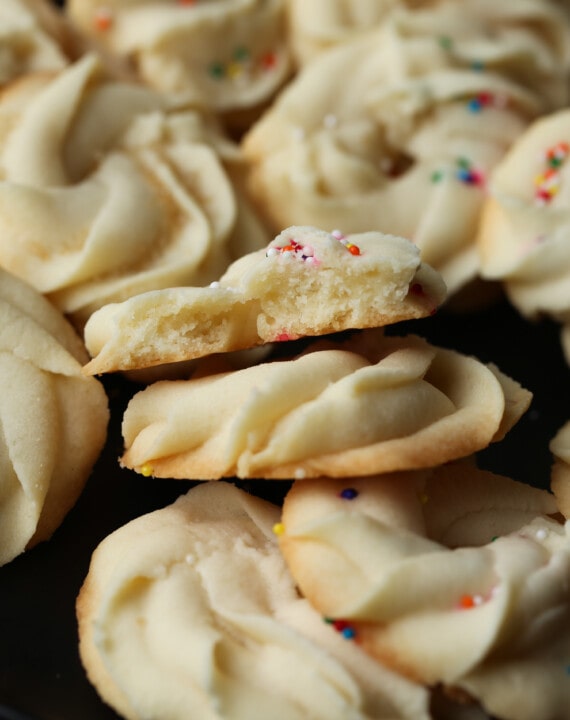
53	419
453	576
108	188
525	222
189	611
381	404
230	56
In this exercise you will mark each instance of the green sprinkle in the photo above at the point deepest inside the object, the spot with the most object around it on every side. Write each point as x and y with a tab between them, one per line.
437	176
216	70
445	42
241	53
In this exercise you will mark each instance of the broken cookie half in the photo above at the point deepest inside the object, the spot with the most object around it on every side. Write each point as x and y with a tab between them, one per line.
307	282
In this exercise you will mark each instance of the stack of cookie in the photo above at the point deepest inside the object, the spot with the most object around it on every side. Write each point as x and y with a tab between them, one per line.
390	539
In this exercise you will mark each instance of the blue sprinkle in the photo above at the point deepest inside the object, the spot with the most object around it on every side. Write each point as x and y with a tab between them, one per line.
474	105
349	494
348	633
465	176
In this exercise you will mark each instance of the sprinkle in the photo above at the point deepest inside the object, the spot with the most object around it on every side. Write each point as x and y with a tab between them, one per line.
467	602
466	173
547	183
348	493
481	100
436	176
541	534
146	470
216	70
279	529
445	42
294	249
300	473
477	65
268	61
330	121
234	70
187	2
241	64
103	18
343	627
214	284
298	134
282	337
338	234
241	54
352	249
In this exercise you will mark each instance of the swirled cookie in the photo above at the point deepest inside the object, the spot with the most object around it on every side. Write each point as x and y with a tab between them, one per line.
560	448
453	576
108	189
373	406
53	420
526	220
306	282
229	55
526	41
323	24
189	612
383	133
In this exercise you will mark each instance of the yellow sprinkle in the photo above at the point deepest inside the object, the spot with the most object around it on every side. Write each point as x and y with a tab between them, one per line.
146	470
279	528
234	70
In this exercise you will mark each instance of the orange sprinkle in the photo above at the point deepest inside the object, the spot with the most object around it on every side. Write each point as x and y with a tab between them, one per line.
353	249
466	602
103	19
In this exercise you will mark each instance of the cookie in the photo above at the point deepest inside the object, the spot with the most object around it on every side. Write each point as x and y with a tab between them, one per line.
560	480
527	41
231	57
306	282
54	419
378	405
109	189
189	611
454	576
383	133
525	221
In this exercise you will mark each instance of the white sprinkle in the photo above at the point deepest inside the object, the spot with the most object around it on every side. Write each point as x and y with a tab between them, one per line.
215	284
300	473
541	534
330	121
478	599
298	134
272	252
338	234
